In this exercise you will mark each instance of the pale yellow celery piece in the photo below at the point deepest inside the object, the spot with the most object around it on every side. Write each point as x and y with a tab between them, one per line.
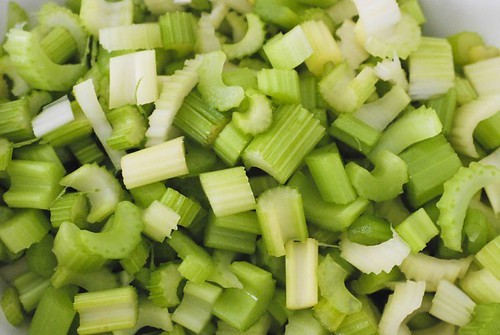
484	76
352	50
139	36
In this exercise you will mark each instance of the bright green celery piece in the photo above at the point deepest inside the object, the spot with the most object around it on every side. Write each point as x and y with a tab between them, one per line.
72	207
487	132
5	155
289	50
222	274
345	92
281	218
445	107
26	227
106	310
228	191
30	287
102	279
228	239
145	195
163	285
245	222
327	169
137	258
194	311
40	257
488	256
308	90
369	229
212	88
159	221
368	283
484	320
283	13
129	127
230	143
302	322
11	306
384	182
465	91
262	183
412	8
59	45
198	158
40	153
354	132
260	327
242	307
101	187
121	237
417	230
476	230
54	313
328	315
277	307
240	76
34	65
459	190
281	149
257	115
178	31
196	263
198	120
281	84
15	120
188	209
251	42
87	151
329	216
34	184
430	163
331	280
413	127
461	43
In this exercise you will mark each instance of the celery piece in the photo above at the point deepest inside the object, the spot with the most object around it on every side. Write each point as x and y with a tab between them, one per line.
260	327
391	70
30	287
328	315
72	207
461	44
145	195
363	322
245	222
329	216
188	209
465	91
487	132
445	107
99	14
277	307
354	132
476	229
212	88
459	190
368	283
344	91
484	320
6	149
328	172
54	313
483	76
301	278
156	163
106	310
222	274
178	31
352	49
198	159
257	117
26	227
492	190
280	150
242	307
482	286
40	257
129	127
149	315
303	321
15	123
432	270
194	311
52	116
163	285
11	307
228	191
417	230
281	218
393	210
262	183
240	76
385	255
87	151
331	280
369	229
39	153
384	182
230	143
251	42
228	239
280	12
281	84
451	304
206	39
159	221
487	257
407	297
59	45
139	36
430	163
137	258
198	120
101	187
289	50
196	263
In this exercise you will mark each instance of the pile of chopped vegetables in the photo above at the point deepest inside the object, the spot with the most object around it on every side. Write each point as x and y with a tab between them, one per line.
248	167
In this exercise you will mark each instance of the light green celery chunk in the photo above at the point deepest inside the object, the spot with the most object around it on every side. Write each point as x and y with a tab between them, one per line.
54	313
352	49
493	191
101	187
39	153
261	327
369	229
281	218
217	237
178	31
129	127
102	279
354	132
417	230
149	315
163	284
445	107
432	270
24	228
368	283
289	50
11	307
222	274
345	91
331	280
465	91
384	182
139	36
19	86
102	14
106	310
301	278
251	42
156	163
40	257
159	221
240	76
30	287
257	117
391	70
378	17
137	258
462	43
451	304
302	322
484	76
484	320
328	315
145	195
188	209
228	191
280	12
281	149
211	86
206	38
487	132
362	322
407	297
15	120
458	191
488	256
87	151
482	286
230	143
72	207
59	45
5	155
413	127
281	84
324	47
245	222
393	210
159	7
466	119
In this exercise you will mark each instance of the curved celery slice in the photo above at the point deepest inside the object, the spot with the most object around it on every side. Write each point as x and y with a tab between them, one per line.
97	14
467	118
351	48
384	256
19	86
458	192
121	238
289	50
103	190
257	118
378	16
206	38
384	182
493	191
412	127
211	86
251	42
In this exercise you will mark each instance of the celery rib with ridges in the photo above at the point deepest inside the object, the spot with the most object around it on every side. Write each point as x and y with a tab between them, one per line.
251	42
139	36
52	116
289	50
451	304
156	163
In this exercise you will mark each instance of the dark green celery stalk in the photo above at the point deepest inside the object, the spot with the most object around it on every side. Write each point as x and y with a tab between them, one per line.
368	283
59	45
369	230
87	151
198	158
487	132
329	216
30	287
26	227
15	120
354	132
163	285
144	195
260	184
229	239
11	306
72	207
40	257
